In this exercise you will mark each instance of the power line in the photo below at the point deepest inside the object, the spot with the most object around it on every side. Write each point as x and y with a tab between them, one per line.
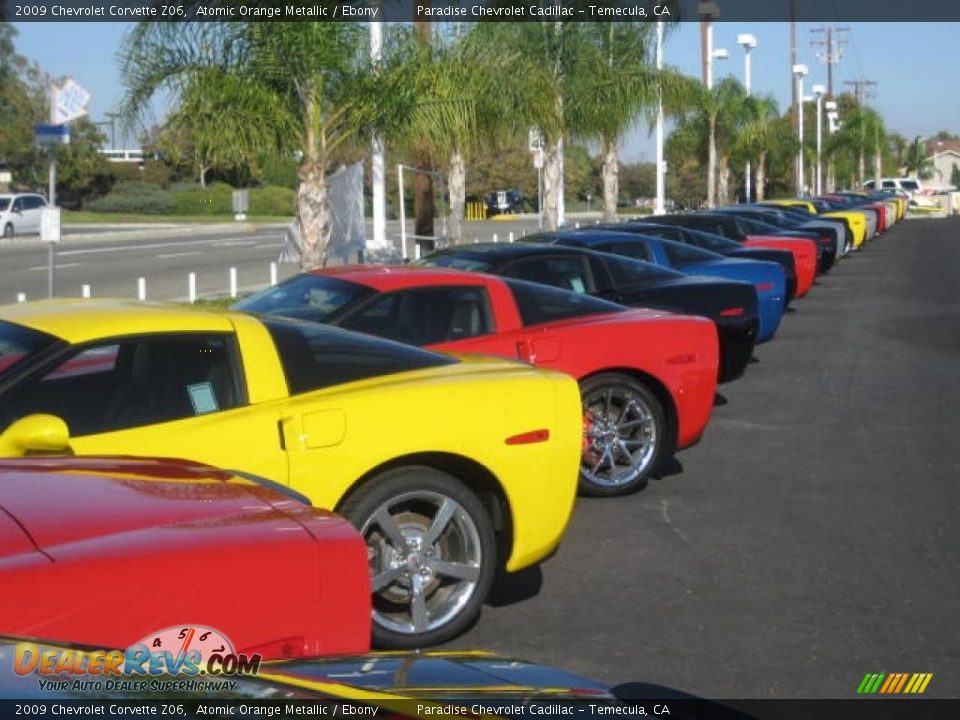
833	49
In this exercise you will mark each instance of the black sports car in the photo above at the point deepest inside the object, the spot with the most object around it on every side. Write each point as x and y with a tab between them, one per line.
715	243
821	233
731	305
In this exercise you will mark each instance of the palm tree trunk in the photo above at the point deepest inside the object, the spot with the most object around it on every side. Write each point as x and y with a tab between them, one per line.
611	182
761	184
712	163
312	213
723	180
551	185
831	176
423	209
458	195
861	168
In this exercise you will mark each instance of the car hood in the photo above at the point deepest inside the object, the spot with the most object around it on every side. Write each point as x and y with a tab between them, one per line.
99	498
439	675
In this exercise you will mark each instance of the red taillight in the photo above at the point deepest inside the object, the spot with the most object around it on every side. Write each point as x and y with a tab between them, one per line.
534	436
732	312
763	287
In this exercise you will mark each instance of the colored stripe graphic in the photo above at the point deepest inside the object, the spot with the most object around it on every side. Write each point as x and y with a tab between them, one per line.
894	683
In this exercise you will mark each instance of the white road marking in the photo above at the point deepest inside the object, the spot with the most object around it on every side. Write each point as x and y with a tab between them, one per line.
179	254
59	266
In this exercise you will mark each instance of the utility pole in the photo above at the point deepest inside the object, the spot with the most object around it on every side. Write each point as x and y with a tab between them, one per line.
833	50
861	90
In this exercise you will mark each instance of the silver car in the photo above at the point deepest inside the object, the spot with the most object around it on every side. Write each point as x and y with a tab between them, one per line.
20	214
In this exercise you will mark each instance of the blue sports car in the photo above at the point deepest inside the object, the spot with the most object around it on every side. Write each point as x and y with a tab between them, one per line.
767	277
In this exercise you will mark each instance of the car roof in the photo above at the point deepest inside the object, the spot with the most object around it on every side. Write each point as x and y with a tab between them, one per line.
596	235
79	320
508	250
391	277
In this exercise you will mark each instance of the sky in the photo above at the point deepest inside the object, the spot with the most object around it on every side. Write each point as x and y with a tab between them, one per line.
914	65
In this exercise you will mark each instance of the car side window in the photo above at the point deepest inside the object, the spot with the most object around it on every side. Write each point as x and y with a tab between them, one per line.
32	202
569	273
132	382
18	205
425	316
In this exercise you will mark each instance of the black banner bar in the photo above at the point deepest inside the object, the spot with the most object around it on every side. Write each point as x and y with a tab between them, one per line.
813	11
675	709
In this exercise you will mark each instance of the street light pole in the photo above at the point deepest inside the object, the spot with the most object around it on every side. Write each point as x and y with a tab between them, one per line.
819	91
377	158
748	42
798	72
660	206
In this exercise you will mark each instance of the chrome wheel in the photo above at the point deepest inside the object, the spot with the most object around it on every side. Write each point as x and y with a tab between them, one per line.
624	432
425	553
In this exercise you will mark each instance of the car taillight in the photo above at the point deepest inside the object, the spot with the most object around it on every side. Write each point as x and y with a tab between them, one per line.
763	287
732	312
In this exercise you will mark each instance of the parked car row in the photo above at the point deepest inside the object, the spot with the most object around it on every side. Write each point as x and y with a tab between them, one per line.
448	410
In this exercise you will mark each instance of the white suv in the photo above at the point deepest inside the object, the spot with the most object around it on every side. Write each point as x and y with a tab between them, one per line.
20	214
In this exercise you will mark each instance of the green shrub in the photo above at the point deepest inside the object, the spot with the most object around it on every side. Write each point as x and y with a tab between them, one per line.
215	199
272	200
134	197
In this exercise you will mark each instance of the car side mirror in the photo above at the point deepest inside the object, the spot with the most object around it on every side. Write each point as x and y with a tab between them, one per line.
36	435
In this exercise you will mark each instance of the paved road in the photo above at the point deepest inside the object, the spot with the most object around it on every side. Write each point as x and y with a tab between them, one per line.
812	536
111	259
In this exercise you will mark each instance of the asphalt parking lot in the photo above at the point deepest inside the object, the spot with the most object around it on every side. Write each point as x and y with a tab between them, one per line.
811	537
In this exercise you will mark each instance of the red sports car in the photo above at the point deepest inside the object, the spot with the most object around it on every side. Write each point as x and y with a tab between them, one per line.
107	551
647	378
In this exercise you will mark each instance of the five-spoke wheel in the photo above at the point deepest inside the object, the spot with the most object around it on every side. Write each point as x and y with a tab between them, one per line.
432	554
624	434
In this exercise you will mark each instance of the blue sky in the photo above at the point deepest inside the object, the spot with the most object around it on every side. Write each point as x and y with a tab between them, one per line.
914	64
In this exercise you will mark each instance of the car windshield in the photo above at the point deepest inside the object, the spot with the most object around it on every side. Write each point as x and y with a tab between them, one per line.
909	184
18	344
306	297
457	261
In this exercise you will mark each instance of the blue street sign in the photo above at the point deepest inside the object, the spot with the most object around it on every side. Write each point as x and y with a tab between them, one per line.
52	134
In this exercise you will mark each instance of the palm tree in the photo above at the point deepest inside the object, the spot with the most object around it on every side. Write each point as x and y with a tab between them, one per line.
450	104
758	136
257	90
540	88
616	85
725	99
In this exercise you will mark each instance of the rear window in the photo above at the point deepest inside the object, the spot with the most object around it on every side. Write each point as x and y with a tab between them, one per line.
680	254
4	204
18	344
541	303
457	262
632	272
909	185
306	297
319	356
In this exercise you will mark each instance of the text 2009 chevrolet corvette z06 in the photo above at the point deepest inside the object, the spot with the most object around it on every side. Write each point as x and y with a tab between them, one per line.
448	467
647	378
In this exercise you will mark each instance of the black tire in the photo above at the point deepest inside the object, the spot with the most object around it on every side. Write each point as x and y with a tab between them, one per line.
8	231
620	412
413	497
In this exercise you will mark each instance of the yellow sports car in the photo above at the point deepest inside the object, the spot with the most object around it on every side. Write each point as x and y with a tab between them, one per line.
450	467
854	219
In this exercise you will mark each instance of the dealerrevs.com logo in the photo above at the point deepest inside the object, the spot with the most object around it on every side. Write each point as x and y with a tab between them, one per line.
187	652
